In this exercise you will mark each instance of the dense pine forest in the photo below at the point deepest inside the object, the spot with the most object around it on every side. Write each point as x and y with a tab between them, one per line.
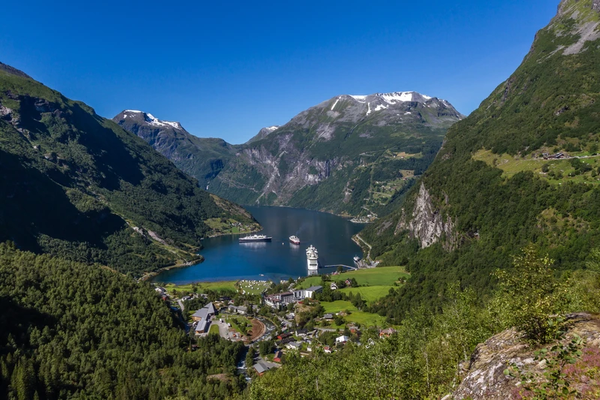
72	331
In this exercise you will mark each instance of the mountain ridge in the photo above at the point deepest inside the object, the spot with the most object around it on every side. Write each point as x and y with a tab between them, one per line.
79	186
288	165
522	168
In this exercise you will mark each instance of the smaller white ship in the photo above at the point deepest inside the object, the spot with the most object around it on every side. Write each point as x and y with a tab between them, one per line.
312	258
294	239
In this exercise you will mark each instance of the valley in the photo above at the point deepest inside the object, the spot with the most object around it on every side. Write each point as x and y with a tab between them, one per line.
352	155
455	257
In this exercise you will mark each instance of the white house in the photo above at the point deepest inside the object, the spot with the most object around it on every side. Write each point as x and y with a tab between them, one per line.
342	339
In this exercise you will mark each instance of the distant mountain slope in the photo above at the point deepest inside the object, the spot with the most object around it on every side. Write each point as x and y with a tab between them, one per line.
522	168
353	155
78	185
203	158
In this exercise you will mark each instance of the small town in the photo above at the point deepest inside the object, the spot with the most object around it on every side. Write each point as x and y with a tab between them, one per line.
314	314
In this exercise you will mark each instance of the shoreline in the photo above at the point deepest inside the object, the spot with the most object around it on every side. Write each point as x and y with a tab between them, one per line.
199	260
150	275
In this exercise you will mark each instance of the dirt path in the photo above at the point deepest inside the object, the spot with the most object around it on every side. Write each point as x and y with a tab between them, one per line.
258	329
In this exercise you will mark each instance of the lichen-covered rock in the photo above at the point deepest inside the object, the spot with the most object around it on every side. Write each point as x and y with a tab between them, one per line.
485	378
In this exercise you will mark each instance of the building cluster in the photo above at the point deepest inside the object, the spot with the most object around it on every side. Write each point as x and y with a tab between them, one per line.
280	300
203	317
556	156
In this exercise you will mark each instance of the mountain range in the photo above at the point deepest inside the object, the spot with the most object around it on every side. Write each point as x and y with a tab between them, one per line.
78	185
523	168
350	155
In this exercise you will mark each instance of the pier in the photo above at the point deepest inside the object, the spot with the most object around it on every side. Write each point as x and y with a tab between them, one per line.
340	265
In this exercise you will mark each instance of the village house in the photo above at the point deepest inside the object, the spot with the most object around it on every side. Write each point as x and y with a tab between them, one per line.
333	286
283	336
261	368
310	292
328	316
280	300
238	310
293	346
353	329
278	355
341	339
202	317
386	332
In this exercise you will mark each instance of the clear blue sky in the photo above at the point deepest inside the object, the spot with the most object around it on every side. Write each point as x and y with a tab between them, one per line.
227	69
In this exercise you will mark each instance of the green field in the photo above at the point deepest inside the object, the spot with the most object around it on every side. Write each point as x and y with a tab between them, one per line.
254	288
380	276
368	293
225	285
214	328
359	317
512	165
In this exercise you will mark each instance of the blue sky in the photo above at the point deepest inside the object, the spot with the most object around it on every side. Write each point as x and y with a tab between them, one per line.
227	69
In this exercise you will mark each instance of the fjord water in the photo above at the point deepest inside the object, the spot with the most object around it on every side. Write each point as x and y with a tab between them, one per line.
226	259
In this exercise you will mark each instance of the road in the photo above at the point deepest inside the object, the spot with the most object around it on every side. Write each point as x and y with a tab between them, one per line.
269	328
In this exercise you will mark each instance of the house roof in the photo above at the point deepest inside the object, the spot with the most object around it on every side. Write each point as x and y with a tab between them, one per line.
314	288
202	326
201	313
328	316
211	308
260	367
205	311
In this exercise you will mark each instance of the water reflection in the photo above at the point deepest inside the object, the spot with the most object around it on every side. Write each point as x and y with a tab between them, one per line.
227	259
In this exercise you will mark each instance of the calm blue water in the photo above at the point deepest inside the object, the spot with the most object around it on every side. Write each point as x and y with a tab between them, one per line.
226	259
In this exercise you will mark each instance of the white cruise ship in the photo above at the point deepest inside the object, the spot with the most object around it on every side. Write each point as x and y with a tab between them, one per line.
312	258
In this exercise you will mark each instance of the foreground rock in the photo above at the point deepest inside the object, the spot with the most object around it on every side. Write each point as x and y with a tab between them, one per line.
485	377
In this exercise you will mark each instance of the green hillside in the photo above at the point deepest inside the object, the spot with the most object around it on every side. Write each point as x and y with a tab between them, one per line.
499	181
77	185
72	331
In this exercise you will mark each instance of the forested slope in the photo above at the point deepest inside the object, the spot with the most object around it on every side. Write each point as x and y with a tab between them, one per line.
71	331
522	168
77	185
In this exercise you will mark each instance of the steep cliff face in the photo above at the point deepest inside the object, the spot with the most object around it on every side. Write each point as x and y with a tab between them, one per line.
522	168
427	223
354	155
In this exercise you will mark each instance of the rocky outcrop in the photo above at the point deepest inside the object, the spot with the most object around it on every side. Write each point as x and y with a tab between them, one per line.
427	223
485	378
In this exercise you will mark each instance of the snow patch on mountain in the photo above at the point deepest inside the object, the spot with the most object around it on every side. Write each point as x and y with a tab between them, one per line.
334	104
152	120
359	97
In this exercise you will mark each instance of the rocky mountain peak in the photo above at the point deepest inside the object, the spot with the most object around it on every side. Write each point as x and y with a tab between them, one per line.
141	116
263	133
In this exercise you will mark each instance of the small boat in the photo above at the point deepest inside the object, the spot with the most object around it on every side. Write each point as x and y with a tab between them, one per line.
255	238
294	239
356	259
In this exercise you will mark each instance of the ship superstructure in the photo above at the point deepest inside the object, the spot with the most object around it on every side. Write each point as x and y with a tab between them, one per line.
312	258
255	238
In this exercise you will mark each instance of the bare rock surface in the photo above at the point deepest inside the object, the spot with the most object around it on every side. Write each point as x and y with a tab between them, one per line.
485	378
